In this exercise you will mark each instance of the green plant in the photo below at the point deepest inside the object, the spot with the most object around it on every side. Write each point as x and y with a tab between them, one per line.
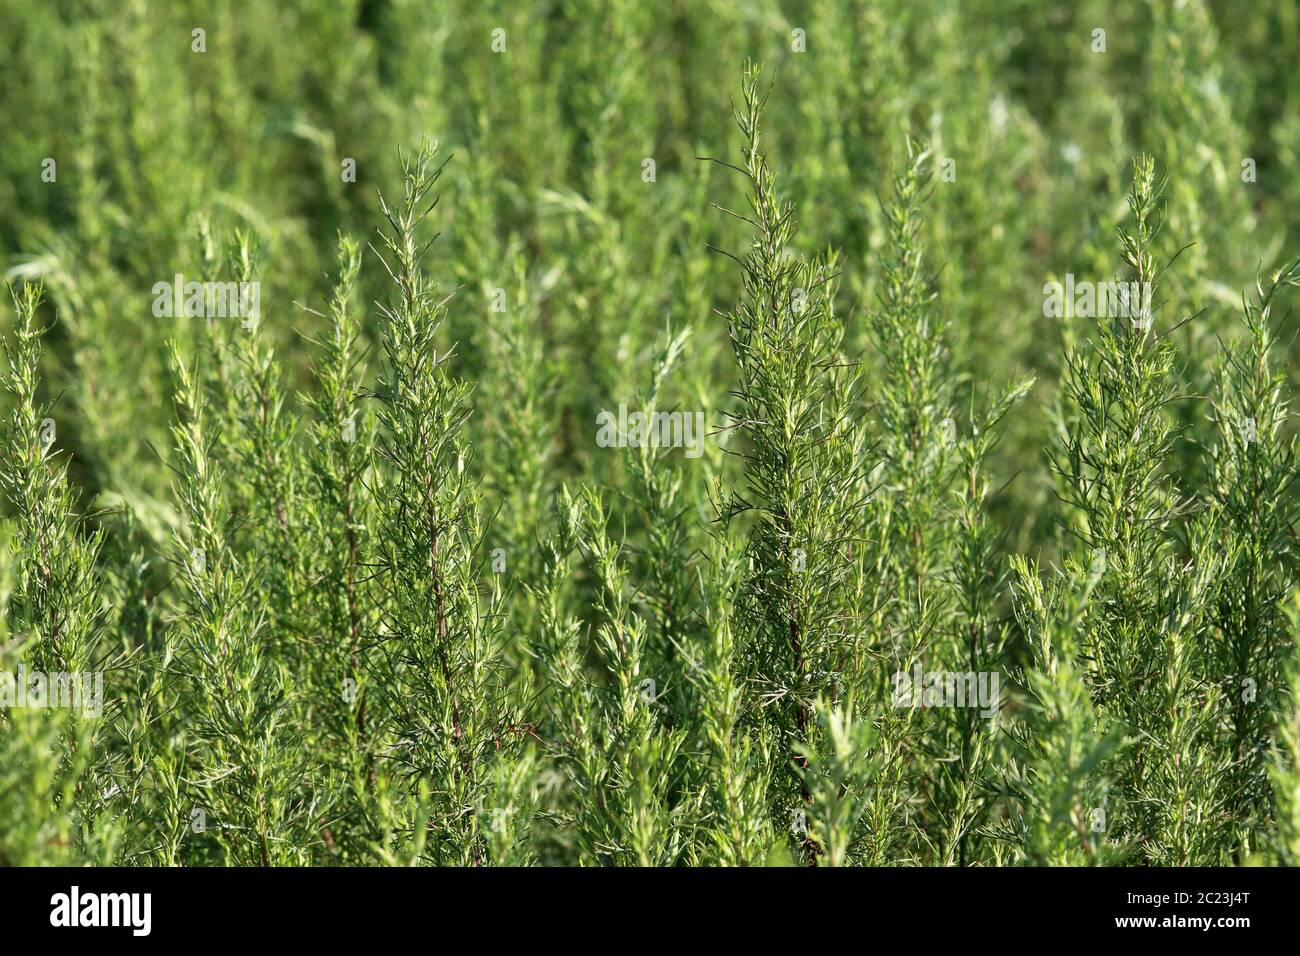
898	566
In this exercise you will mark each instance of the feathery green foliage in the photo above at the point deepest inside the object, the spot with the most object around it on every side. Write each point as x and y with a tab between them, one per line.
723	487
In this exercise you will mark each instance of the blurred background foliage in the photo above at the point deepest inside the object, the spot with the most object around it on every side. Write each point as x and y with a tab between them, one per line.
163	153
159	147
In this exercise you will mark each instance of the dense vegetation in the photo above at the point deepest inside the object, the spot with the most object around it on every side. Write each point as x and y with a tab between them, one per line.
370	577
